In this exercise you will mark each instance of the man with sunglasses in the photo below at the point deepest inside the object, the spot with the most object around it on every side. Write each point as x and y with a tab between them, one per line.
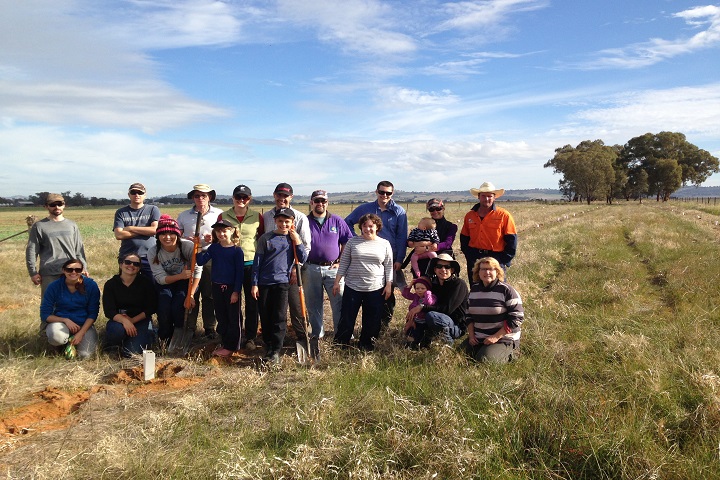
394	230
54	239
249	225
329	234
202	195
135	226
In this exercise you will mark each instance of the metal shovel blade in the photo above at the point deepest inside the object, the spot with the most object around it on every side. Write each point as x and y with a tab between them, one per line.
180	341
302	353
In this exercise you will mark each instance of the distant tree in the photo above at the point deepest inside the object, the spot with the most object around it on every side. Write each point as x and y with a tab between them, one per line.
587	169
40	198
649	152
666	177
78	200
637	186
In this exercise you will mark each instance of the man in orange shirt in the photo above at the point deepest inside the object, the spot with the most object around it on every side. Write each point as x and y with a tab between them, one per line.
488	230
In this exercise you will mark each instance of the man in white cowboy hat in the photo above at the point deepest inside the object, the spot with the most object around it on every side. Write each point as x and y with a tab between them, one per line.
202	195
488	230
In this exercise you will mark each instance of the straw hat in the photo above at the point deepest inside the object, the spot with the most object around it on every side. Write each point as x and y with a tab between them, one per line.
487	187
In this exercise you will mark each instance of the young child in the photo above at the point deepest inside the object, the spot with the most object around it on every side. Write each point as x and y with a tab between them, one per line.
273	263
425	232
419	292
227	281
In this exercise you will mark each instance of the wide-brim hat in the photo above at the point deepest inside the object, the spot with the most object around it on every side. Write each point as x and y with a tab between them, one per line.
445	258
487	187
204	188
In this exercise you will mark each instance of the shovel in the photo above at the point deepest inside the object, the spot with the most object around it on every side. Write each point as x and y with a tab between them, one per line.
182	337
305	353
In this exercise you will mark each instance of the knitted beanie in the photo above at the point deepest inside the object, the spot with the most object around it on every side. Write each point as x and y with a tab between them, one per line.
425	281
167	224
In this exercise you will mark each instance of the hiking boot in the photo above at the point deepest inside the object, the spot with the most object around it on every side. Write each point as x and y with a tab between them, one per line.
250	345
211	334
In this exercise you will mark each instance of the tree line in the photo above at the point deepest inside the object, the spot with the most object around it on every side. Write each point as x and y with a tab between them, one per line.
654	164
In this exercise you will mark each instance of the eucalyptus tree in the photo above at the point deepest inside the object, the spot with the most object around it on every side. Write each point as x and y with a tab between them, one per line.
587	169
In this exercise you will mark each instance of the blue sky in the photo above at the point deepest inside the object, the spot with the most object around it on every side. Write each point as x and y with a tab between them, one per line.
432	95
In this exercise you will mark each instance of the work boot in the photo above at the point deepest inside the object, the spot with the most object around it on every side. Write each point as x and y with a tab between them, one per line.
314	349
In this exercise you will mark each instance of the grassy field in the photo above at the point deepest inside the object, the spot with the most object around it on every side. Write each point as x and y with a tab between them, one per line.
618	378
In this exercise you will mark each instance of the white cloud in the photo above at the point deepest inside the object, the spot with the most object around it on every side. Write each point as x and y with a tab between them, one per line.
657	50
484	13
148	106
364	26
175	24
691	110
62	64
395	96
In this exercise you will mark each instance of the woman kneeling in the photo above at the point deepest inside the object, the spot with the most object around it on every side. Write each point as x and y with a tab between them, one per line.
495	314
70	306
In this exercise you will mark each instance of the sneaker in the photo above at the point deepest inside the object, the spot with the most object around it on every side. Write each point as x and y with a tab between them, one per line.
222	352
250	345
272	358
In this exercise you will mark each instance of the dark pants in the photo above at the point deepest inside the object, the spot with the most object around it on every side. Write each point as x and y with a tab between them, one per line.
251	306
273	305
494	353
171	308
204	290
372	310
437	323
117	338
227	315
145	269
388	308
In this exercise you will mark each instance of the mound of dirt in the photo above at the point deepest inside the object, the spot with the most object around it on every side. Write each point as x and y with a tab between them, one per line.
51	412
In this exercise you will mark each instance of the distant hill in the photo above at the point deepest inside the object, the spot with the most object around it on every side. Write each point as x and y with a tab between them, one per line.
414	197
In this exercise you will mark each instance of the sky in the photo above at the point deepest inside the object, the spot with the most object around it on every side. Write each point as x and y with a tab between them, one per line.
431	95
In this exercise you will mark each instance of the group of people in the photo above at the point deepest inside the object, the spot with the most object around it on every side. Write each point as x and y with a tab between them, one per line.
281	260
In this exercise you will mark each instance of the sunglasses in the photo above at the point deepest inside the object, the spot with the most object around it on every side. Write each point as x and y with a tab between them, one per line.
319	200
241	198
385	193
435	209
130	262
443	267
73	270
56	204
137	192
200	195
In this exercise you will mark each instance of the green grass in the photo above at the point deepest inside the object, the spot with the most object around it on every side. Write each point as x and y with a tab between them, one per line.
618	377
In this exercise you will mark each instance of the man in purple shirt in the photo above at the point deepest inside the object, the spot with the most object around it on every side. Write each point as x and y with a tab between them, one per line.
329	233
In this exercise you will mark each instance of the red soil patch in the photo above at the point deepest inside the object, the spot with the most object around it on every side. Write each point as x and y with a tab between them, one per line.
53	409
165	379
50	412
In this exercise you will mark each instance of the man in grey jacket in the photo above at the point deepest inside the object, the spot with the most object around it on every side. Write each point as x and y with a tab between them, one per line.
54	239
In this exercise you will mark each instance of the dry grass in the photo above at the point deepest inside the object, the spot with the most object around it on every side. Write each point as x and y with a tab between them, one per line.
618	377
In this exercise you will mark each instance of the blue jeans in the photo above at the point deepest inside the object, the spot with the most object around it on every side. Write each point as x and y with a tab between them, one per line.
116	337
171	308
437	322
372	307
317	278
